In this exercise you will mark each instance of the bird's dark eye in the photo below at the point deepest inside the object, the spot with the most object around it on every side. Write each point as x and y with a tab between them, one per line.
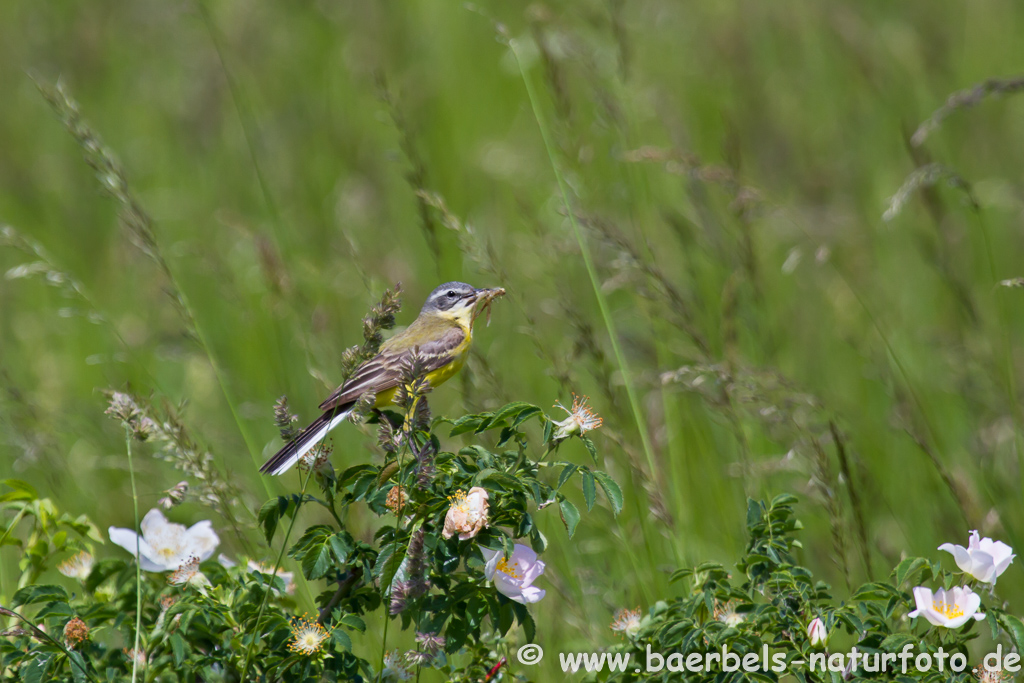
451	294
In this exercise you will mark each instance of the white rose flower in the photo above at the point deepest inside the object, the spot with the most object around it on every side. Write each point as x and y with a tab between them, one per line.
983	558
950	608
514	577
165	546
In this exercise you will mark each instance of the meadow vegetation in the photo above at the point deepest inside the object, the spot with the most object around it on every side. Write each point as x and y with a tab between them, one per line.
777	245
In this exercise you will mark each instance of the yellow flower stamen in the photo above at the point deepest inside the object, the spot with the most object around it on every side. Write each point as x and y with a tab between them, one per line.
512	571
949	611
308	636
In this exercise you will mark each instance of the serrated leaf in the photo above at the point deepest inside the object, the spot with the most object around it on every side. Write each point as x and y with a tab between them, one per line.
526	621
875	591
478	453
179	648
505	482
467	423
753	513
507	411
589	490
55	609
567	472
896	641
538	541
313	551
79	672
526	415
506	616
353	621
341	640
37	669
353	473
269	516
41	593
570	515
1015	627
386	473
783	499
907	567
388	562
611	489
525	525
341	546
507	433
382	558
993	623
591	448
455	635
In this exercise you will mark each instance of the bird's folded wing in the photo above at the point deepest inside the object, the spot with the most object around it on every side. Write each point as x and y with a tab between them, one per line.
384	371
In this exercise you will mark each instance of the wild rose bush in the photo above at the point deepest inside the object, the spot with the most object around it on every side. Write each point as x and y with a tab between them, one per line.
456	561
771	601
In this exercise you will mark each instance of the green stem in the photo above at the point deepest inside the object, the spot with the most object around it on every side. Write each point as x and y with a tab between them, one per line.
1007	339
138	555
277	564
595	283
384	640
606	316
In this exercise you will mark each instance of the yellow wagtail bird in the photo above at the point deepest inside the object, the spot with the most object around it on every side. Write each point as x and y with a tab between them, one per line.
441	335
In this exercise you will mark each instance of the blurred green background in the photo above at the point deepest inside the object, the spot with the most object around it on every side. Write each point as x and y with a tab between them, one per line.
729	162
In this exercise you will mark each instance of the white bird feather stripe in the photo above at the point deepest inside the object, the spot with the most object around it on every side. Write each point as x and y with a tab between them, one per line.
311	441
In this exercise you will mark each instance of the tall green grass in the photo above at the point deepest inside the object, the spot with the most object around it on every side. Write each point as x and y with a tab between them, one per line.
694	237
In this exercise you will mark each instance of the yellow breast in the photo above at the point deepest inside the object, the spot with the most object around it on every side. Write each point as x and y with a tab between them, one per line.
442	374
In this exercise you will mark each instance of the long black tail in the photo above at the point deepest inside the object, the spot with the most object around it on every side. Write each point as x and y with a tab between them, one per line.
304	442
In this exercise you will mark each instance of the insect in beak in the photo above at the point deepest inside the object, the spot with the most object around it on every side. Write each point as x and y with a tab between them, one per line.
483	299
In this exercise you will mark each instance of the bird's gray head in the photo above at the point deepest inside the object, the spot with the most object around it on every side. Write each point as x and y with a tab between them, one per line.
451	295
